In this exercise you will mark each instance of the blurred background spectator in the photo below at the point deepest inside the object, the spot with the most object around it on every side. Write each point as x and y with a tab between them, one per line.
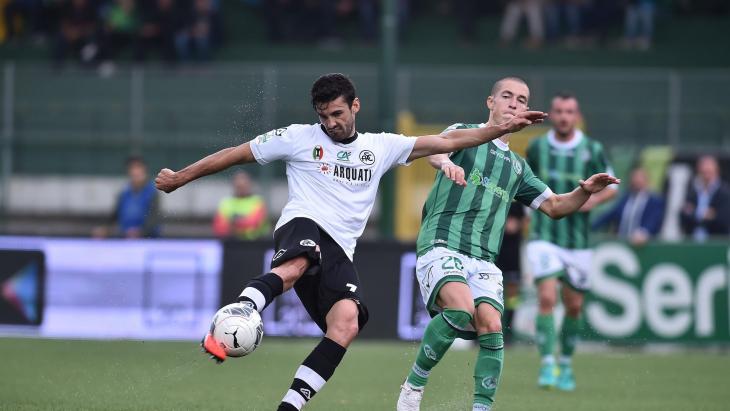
77	33
137	210
513	12
639	28
243	215
638	215
706	211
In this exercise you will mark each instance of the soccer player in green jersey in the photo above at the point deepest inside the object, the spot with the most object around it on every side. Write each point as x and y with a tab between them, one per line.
558	250
461	231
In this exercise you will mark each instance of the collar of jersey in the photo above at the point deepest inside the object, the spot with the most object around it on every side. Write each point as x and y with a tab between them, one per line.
565	145
343	142
497	142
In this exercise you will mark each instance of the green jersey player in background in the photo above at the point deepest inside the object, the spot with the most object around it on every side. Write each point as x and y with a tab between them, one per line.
461	232
558	250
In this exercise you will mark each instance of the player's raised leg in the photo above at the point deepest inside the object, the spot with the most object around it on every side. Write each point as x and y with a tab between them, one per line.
318	367
456	301
488	367
569	336
545	330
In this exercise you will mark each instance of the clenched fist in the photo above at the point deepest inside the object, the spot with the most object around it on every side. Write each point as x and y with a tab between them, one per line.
168	180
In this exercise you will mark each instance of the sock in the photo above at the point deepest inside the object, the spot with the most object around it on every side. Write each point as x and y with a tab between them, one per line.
545	334
488	369
437	338
316	369
569	336
262	290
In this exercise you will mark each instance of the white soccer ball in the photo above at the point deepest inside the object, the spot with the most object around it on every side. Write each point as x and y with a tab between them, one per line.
238	329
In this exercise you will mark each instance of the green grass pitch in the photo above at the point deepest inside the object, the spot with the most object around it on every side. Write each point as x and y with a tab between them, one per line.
132	375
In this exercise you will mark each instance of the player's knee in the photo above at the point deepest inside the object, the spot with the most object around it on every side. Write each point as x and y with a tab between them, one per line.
573	309
290	271
343	330
488	325
547	301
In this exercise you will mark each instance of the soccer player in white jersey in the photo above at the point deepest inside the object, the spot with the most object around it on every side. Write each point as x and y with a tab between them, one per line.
333	174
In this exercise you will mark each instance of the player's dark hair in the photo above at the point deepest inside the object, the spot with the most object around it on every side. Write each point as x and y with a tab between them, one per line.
498	84
331	86
565	95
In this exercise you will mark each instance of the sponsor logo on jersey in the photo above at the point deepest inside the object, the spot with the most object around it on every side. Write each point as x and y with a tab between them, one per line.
476	178
308	243
430	353
367	157
344	156
489	383
352	174
324	168
278	254
317	152
263	138
501	155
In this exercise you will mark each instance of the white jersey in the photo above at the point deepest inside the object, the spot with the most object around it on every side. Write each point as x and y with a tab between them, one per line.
331	183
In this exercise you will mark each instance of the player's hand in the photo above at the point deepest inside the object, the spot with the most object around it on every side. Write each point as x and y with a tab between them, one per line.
598	182
524	119
168	180
453	173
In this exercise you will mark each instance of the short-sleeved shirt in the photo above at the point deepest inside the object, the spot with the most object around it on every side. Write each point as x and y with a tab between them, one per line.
334	184
471	219
561	165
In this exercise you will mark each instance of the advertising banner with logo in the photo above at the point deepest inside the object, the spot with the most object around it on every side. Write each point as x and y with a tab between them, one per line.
660	293
22	279
145	289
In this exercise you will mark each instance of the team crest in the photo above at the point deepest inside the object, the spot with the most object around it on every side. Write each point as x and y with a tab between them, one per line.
517	166
317	152
489	383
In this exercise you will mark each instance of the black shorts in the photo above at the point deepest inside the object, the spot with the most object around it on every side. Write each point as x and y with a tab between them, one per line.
332	276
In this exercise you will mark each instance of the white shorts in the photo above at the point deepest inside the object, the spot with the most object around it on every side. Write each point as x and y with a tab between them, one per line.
441	265
549	260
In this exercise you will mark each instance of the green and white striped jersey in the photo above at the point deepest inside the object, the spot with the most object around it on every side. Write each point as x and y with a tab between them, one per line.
471	219
561	165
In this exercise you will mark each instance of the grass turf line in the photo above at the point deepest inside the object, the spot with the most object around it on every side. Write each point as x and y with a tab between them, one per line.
133	375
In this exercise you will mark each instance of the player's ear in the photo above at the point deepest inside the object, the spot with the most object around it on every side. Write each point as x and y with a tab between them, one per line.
490	103
355	105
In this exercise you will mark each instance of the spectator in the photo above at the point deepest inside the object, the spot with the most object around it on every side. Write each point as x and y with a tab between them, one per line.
513	12
137	210
120	28
162	21
77	31
564	18
706	210
638	215
201	34
243	215
28	10
639	28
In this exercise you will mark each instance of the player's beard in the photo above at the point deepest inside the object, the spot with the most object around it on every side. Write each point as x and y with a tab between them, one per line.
343	133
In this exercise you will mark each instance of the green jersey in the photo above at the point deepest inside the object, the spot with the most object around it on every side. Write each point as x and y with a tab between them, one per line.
561	165
471	219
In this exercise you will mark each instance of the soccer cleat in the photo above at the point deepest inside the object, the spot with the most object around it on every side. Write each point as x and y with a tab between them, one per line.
566	380
547	378
211	346
410	398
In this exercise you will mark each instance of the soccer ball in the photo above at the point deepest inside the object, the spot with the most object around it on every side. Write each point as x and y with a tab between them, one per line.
238	329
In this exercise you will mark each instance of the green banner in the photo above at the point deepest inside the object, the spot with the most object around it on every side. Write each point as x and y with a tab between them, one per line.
660	293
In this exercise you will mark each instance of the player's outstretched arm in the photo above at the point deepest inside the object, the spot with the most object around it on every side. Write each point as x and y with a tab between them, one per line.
169	181
561	205
460	139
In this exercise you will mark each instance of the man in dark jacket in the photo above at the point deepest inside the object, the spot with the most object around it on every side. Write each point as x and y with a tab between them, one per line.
638	215
706	210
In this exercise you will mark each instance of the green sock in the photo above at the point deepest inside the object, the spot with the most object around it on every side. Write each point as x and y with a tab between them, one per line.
545	334
437	338
488	368
569	335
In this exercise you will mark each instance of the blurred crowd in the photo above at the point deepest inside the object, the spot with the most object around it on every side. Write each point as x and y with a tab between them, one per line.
93	31
99	31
